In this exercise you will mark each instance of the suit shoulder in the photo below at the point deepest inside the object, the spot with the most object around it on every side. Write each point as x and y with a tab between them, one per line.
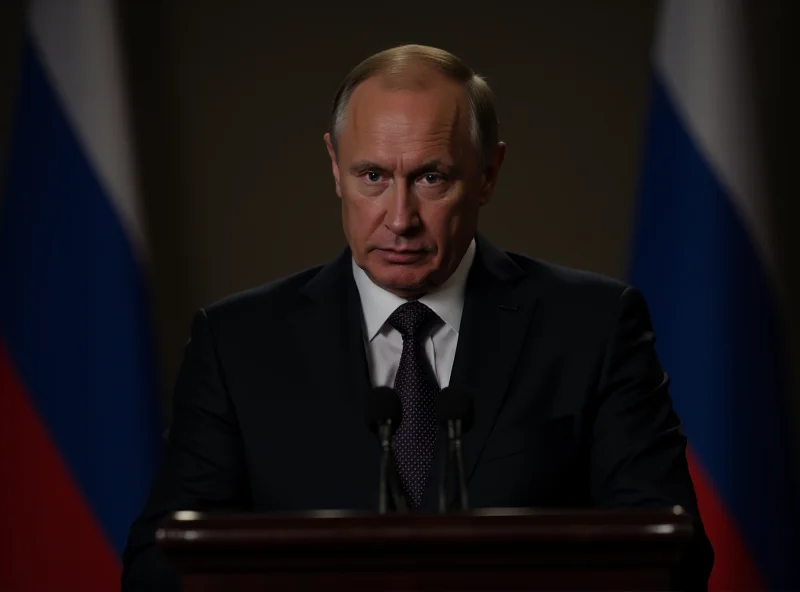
585	302
559	281
272	296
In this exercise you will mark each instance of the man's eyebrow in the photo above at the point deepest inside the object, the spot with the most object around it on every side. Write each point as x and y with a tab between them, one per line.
362	166
432	165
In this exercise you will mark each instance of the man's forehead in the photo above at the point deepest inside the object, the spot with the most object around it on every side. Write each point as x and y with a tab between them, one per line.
383	112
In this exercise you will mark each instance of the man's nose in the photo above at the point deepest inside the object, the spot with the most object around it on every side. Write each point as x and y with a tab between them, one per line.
402	215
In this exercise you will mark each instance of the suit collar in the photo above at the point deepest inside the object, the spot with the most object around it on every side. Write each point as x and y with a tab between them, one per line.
497	264
330	283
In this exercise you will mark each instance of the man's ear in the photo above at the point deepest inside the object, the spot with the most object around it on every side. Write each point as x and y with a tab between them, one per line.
491	173
334	164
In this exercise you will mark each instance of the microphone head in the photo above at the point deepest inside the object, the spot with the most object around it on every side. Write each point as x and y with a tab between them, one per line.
454	403
383	404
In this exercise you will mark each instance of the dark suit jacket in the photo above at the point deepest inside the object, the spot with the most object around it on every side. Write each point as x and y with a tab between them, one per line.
571	404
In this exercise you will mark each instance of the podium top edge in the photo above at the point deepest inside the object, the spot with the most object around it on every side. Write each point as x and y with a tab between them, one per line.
498	524
626	515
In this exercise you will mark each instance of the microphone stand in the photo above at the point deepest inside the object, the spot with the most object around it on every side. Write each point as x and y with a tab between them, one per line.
454	435
455	457
443	476
385	436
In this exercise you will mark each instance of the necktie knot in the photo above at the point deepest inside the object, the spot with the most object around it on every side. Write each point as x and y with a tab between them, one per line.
411	318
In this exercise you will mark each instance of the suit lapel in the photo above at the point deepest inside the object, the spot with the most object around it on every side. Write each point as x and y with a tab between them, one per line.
331	325
499	304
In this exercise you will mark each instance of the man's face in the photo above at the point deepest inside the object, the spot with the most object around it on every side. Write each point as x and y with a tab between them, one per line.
410	181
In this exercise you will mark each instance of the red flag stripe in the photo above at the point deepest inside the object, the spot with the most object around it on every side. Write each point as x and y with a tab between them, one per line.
52	541
734	568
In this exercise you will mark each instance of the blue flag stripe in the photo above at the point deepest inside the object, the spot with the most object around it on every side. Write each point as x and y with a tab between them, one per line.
72	310
719	337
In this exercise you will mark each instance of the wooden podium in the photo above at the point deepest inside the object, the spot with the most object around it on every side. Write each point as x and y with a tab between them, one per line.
479	550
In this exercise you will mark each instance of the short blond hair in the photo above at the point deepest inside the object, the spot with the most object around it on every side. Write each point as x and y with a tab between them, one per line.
398	64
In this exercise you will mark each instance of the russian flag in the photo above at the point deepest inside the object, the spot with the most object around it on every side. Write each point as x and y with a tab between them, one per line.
80	425
704	260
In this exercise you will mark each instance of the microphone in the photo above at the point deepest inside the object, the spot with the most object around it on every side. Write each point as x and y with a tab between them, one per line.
455	410
383	415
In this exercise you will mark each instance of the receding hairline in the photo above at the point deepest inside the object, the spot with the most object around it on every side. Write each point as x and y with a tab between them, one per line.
414	67
412	77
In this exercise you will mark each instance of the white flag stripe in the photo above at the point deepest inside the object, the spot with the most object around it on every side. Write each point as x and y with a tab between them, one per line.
78	44
702	59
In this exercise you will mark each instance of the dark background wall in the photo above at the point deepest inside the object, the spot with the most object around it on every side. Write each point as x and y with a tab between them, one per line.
11	30
232	106
231	100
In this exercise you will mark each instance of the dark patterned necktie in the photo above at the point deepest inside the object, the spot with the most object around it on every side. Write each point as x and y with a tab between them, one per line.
417	388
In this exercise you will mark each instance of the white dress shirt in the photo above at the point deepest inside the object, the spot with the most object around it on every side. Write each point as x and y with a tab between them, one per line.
384	344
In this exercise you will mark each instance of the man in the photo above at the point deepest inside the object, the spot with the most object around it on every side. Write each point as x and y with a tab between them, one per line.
571	404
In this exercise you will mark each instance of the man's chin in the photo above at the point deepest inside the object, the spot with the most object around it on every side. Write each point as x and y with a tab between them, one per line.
405	283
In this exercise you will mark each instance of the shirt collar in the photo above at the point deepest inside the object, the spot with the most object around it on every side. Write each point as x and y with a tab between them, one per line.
447	300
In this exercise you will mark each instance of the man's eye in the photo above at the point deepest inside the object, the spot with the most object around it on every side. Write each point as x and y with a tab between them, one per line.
372	176
432	178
